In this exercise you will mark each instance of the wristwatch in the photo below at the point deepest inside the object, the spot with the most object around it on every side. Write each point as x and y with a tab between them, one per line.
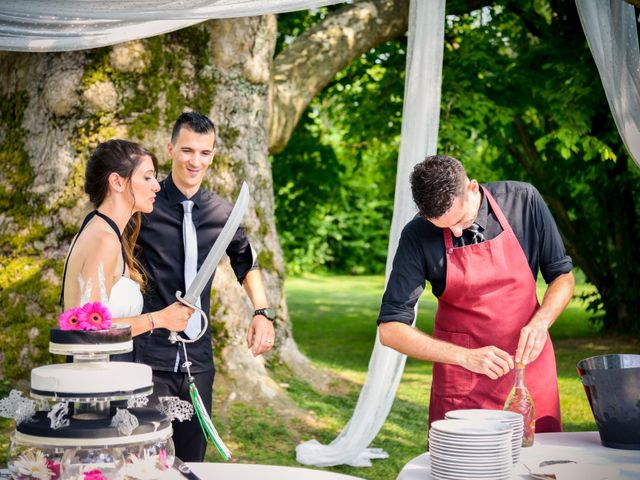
268	312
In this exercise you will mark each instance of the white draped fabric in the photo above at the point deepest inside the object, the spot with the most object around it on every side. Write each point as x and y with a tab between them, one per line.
56	25
420	122
612	34
65	25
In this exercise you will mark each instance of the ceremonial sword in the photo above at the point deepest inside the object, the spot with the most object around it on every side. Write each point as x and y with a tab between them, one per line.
211	262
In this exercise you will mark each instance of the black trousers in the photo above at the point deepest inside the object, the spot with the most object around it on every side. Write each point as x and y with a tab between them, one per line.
188	437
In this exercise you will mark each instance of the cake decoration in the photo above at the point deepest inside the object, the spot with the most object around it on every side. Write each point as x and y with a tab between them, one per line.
90	316
17	407
175	409
70	319
124	421
84	436
137	402
147	466
58	415
94	474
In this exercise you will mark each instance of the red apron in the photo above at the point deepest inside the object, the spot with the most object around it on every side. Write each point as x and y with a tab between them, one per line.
489	296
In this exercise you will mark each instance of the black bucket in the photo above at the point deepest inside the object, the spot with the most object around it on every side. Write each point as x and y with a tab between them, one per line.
612	385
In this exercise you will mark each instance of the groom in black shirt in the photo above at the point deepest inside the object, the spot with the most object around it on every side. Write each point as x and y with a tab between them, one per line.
162	254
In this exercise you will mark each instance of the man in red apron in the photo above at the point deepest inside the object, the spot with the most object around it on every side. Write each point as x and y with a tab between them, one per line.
480	248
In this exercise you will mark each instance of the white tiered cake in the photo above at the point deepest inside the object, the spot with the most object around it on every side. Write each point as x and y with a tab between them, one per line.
85	436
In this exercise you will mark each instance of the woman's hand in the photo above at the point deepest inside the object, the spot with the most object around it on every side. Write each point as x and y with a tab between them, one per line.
174	317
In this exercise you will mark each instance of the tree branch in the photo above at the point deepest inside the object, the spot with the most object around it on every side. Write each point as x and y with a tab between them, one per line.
312	60
303	69
530	161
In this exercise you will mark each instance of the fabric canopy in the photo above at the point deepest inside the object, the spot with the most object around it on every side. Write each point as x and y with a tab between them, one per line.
612	33
420	123
65	25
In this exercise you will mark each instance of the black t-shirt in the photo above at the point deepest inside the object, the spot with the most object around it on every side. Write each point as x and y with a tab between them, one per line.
161	253
420	256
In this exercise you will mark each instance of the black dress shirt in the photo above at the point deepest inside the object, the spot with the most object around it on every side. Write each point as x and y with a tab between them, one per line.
161	253
421	254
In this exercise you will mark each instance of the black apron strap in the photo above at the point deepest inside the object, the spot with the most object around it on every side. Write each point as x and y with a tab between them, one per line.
86	220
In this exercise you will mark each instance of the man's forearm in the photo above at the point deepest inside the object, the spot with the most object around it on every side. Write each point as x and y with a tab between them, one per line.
414	343
534	334
555	300
254	287
489	360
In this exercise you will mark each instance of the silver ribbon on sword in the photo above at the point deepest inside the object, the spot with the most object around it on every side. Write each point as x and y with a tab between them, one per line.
211	262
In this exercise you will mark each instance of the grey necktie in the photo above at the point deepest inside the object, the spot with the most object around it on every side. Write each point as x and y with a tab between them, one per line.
190	241
476	233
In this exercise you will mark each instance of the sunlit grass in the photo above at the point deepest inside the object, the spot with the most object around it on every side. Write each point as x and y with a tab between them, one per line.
333	320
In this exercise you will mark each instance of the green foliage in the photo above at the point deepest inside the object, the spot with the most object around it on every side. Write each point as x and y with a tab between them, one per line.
334	182
17	173
521	100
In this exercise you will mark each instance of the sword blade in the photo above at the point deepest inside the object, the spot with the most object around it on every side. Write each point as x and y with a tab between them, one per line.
219	247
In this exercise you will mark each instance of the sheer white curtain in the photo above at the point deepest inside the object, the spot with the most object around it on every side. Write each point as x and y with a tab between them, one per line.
420	121
65	25
612	34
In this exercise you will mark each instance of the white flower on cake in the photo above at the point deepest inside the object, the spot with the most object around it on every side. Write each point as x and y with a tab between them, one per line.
148	467
33	465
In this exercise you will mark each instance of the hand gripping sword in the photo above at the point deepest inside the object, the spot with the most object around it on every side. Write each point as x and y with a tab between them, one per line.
211	262
191	297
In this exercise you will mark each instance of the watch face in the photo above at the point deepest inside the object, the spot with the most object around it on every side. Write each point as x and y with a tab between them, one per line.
269	312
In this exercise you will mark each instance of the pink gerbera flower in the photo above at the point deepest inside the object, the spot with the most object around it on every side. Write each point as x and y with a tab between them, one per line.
94	475
162	459
70	319
94	316
54	468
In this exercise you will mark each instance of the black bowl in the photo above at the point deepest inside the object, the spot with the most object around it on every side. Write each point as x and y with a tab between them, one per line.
612	385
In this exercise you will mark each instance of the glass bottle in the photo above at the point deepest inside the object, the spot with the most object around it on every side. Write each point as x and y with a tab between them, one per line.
520	401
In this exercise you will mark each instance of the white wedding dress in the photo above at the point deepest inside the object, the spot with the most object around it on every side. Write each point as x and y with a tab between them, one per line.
125	299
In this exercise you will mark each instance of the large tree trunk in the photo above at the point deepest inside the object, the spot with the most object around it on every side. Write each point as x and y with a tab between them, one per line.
57	107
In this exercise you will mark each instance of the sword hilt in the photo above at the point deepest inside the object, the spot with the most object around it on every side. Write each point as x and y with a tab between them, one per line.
174	337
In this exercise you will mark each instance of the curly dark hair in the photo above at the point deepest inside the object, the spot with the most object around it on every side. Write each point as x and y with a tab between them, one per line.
435	184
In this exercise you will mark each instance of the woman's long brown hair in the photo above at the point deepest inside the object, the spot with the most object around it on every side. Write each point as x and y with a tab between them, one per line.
121	157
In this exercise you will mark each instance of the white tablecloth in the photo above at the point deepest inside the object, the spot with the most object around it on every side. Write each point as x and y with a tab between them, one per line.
593	461
242	471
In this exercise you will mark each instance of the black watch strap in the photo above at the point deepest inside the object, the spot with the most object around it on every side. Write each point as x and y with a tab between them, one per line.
268	312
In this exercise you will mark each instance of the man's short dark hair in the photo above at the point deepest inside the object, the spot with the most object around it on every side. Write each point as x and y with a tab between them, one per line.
435	183
196	122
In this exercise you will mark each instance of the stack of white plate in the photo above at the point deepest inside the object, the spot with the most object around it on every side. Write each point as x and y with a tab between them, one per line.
470	449
515	420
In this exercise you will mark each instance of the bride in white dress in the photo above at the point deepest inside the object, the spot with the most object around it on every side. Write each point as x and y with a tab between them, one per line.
120	180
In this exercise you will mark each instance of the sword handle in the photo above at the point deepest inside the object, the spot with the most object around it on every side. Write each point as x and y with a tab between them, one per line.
174	337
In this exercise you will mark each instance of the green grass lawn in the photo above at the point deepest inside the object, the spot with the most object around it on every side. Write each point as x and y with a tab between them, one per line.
333	320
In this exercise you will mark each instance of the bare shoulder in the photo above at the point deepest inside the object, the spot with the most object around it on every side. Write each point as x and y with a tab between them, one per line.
96	246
